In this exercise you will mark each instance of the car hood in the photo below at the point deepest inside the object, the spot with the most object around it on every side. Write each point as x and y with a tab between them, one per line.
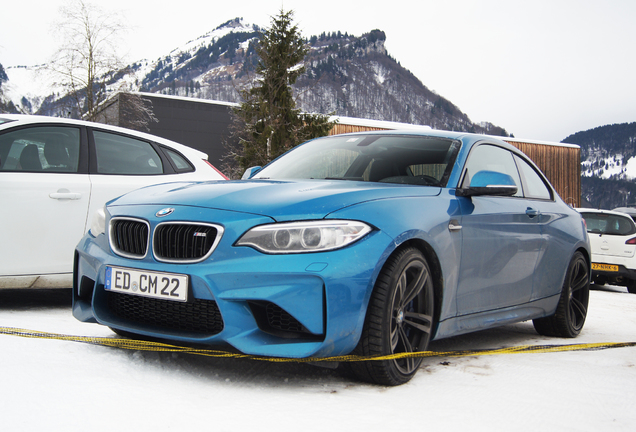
280	200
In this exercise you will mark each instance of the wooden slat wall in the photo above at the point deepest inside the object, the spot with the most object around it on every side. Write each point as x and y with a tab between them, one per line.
560	164
347	128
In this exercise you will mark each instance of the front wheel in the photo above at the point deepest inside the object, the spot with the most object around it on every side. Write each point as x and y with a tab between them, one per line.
399	319
571	311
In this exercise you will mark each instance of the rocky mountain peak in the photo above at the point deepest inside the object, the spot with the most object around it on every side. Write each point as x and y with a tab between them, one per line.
346	75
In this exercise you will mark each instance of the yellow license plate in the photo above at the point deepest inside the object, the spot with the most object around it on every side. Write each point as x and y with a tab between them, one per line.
605	267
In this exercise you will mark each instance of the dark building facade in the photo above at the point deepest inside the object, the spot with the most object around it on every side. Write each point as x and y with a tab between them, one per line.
197	123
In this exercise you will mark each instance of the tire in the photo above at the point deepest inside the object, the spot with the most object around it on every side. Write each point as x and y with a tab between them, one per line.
399	319
571	311
631	286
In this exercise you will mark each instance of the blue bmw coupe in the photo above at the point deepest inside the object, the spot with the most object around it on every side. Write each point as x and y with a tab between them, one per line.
371	244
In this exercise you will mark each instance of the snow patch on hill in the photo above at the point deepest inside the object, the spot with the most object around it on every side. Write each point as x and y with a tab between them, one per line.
614	167
28	86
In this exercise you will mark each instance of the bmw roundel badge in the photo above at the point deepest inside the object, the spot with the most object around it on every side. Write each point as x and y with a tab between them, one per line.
164	212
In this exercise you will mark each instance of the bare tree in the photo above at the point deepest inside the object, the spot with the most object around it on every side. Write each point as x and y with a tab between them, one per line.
88	58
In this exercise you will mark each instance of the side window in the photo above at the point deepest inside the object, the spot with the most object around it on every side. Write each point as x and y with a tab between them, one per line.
492	158
535	187
118	154
40	149
180	162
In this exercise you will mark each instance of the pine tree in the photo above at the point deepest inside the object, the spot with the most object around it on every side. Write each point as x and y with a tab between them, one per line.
267	122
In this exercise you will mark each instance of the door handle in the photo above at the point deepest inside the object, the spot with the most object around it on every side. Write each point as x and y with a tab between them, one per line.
65	194
531	212
454	225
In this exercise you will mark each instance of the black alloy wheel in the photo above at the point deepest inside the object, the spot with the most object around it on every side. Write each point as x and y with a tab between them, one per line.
571	311
399	319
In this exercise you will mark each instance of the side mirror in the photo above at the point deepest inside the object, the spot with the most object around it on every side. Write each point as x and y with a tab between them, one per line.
489	183
250	172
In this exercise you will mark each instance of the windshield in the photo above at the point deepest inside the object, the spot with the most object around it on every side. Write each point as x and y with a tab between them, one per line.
608	224
401	159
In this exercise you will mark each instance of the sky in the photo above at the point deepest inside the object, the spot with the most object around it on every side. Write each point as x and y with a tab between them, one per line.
542	70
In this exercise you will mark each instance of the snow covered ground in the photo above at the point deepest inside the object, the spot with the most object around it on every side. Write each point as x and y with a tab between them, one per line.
68	386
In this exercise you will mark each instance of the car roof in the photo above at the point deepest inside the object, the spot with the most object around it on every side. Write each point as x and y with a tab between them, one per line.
428	133
468	139
11	120
628	210
601	211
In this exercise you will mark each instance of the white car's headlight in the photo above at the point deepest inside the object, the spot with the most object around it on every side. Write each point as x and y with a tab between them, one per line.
299	237
98	224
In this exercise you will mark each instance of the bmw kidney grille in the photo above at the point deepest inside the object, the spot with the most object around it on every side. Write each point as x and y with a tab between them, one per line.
175	242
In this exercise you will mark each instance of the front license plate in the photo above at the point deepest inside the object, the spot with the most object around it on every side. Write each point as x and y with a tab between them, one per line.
167	286
605	267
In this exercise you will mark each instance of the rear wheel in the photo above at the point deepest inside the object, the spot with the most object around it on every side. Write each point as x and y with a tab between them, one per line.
631	286
399	319
571	311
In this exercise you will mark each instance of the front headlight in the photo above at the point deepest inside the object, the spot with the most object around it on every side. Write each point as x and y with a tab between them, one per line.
98	224
299	237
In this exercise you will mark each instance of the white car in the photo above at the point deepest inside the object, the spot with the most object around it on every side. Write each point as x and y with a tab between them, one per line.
631	211
56	173
613	240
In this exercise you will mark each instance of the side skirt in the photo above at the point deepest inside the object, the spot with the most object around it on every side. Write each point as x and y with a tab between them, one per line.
484	320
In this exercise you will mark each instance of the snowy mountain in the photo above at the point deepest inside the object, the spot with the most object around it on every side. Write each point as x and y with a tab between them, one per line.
346	75
351	76
608	164
607	152
28	89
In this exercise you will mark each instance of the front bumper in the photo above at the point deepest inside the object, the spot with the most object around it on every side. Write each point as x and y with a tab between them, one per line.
299	305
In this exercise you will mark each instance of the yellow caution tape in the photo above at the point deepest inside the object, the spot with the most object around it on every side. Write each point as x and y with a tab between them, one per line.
142	345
